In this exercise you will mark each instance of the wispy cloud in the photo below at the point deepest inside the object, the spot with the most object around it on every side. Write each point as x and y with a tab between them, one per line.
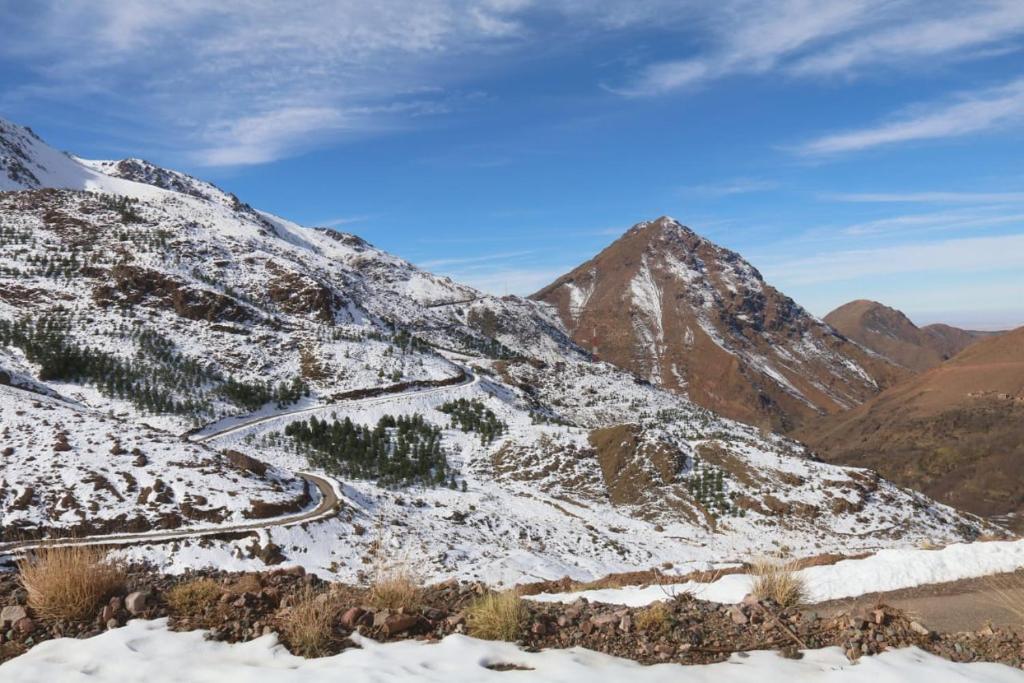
341	221
962	255
802	38
730	187
968	113
486	258
521	281
934	221
925	197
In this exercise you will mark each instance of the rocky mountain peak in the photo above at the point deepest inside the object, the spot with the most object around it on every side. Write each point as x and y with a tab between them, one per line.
687	314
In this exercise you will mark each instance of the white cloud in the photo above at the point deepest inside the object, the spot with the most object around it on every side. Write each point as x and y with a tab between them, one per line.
939	220
437	263
939	197
801	38
974	254
969	27
521	281
730	187
969	113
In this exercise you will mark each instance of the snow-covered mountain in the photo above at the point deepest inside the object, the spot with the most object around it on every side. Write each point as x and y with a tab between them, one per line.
693	317
152	304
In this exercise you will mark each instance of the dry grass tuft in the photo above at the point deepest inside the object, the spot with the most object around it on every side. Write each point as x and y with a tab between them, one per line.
496	616
778	581
246	583
192	597
308	626
653	619
395	586
69	583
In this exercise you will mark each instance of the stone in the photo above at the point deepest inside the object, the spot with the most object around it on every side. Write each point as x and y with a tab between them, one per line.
137	602
112	624
626	623
11	615
351	617
737	615
400	623
919	629
25	626
539	628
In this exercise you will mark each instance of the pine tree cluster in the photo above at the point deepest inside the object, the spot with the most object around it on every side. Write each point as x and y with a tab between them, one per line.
474	416
399	451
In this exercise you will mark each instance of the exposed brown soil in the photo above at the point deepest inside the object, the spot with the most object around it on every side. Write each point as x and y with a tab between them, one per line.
955	432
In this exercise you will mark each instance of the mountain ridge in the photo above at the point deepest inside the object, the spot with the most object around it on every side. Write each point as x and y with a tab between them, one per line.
890	333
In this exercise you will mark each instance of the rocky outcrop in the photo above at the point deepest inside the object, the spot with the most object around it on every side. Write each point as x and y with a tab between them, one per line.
136	285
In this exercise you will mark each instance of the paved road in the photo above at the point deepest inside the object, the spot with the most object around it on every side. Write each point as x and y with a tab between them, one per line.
324	509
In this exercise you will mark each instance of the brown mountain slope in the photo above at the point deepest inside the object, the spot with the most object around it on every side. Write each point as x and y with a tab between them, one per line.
890	333
686	314
955	432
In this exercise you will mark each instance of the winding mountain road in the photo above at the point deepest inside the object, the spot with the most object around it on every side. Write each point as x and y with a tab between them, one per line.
325	508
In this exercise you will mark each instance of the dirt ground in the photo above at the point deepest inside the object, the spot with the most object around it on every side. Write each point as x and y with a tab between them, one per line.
966	605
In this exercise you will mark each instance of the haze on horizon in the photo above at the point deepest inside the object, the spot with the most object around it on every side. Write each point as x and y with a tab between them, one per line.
848	149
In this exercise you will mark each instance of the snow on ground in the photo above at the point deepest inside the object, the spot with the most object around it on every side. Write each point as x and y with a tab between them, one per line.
147	651
886	570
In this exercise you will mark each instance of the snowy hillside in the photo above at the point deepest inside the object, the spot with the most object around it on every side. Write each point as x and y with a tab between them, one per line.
468	432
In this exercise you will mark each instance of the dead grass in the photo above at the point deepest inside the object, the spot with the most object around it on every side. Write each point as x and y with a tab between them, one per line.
192	597
395	586
308	626
653	619
778	581
496	616
69	583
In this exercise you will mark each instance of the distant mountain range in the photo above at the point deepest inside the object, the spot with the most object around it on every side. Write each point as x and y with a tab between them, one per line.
891	334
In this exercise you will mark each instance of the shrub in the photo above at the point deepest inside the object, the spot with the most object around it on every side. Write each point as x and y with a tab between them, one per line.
496	616
653	619
395	586
778	582
69	583
308	626
193	596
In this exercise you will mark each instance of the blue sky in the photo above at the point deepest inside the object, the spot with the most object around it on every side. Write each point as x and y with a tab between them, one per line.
847	148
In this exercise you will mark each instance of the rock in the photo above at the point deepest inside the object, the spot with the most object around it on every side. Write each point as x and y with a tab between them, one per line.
112	624
603	619
626	623
587	628
737	615
380	618
919	629
137	602
25	626
11	615
539	628
351	617
750	600
400	623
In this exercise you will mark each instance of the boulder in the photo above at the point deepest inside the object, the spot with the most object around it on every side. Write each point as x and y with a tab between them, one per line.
137	602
